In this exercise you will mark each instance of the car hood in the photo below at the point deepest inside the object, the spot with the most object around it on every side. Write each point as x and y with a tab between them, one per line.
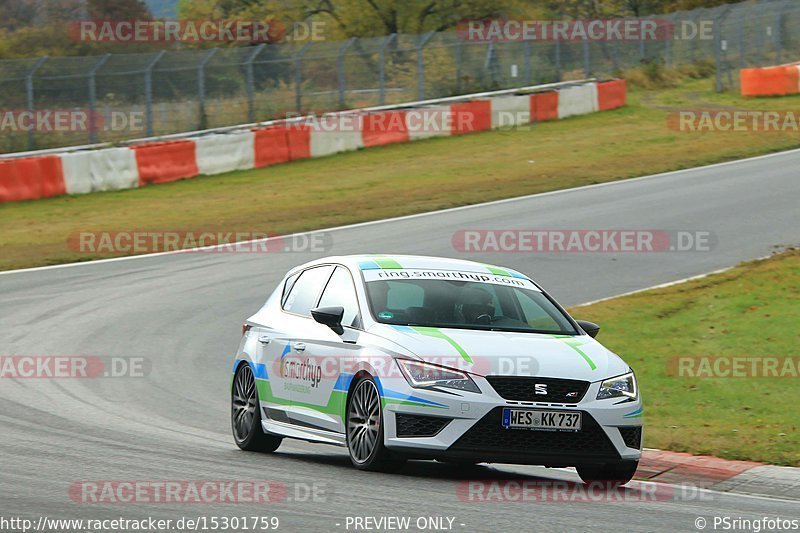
507	353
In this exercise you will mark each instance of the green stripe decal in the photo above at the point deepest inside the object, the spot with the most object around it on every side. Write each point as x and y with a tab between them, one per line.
386	262
336	402
497	271
574	343
435	333
385	401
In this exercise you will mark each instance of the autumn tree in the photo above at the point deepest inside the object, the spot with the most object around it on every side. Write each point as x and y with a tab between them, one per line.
117	10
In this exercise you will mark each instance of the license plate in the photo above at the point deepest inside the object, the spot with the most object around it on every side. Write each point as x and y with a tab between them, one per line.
541	420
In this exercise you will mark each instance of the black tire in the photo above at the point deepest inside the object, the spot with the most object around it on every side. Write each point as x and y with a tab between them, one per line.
612	474
364	429
246	415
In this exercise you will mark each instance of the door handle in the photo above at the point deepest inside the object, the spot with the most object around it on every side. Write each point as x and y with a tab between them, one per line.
299	347
264	339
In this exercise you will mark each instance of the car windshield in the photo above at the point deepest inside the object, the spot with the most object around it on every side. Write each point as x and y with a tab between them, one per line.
453	303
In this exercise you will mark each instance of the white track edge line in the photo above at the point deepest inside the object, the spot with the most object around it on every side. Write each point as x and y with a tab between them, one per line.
412	216
669	283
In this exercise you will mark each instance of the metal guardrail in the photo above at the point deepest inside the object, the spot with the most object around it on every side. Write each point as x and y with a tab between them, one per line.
230	129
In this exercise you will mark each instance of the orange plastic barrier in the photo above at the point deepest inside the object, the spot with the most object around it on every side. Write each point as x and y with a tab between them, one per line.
271	146
388	127
31	178
611	94
770	81
793	79
471	116
165	162
544	106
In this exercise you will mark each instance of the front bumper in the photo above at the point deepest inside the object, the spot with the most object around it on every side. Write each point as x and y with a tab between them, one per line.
611	432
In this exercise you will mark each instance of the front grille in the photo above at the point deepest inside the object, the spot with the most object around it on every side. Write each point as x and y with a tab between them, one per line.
632	436
523	389
488	436
419	425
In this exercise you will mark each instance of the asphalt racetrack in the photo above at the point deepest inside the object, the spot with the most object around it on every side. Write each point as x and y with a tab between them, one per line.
182	313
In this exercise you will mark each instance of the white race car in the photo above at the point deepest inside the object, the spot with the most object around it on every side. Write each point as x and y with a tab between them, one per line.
430	358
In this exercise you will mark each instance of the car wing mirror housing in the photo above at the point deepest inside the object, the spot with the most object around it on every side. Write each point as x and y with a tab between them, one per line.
590	328
330	316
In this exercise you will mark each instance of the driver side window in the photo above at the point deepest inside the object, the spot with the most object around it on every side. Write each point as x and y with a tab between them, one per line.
340	291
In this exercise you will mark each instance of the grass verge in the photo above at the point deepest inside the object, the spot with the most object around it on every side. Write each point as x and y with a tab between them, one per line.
400	179
749	311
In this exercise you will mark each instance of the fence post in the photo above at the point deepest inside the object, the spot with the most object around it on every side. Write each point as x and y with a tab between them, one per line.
93	97
779	34
29	91
201	87
423	40
459	52
298	77
668	42
250	83
587	62
340	66
489	64
382	68
526	47
558	59
718	52
148	91
740	35
642	51
760	30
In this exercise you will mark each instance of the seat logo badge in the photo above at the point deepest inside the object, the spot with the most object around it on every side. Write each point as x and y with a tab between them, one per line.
541	389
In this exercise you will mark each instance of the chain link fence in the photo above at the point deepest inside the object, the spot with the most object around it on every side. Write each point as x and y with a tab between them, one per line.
143	95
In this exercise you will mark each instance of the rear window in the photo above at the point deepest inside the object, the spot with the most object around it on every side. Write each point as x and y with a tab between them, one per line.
305	291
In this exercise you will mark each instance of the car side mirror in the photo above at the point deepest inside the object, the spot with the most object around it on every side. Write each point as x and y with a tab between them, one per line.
330	316
590	328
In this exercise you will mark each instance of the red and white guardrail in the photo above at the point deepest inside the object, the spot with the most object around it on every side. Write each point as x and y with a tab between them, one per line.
48	173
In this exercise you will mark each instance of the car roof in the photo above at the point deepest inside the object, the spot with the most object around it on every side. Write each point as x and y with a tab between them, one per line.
392	261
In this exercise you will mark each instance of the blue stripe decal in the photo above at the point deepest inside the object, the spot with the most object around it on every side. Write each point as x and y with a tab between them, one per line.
368	265
259	371
404	329
286	350
634	414
343	382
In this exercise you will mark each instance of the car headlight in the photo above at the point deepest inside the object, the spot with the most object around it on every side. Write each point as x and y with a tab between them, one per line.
425	376
623	386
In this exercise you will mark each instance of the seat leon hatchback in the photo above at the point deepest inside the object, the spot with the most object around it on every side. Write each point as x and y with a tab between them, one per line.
408	357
